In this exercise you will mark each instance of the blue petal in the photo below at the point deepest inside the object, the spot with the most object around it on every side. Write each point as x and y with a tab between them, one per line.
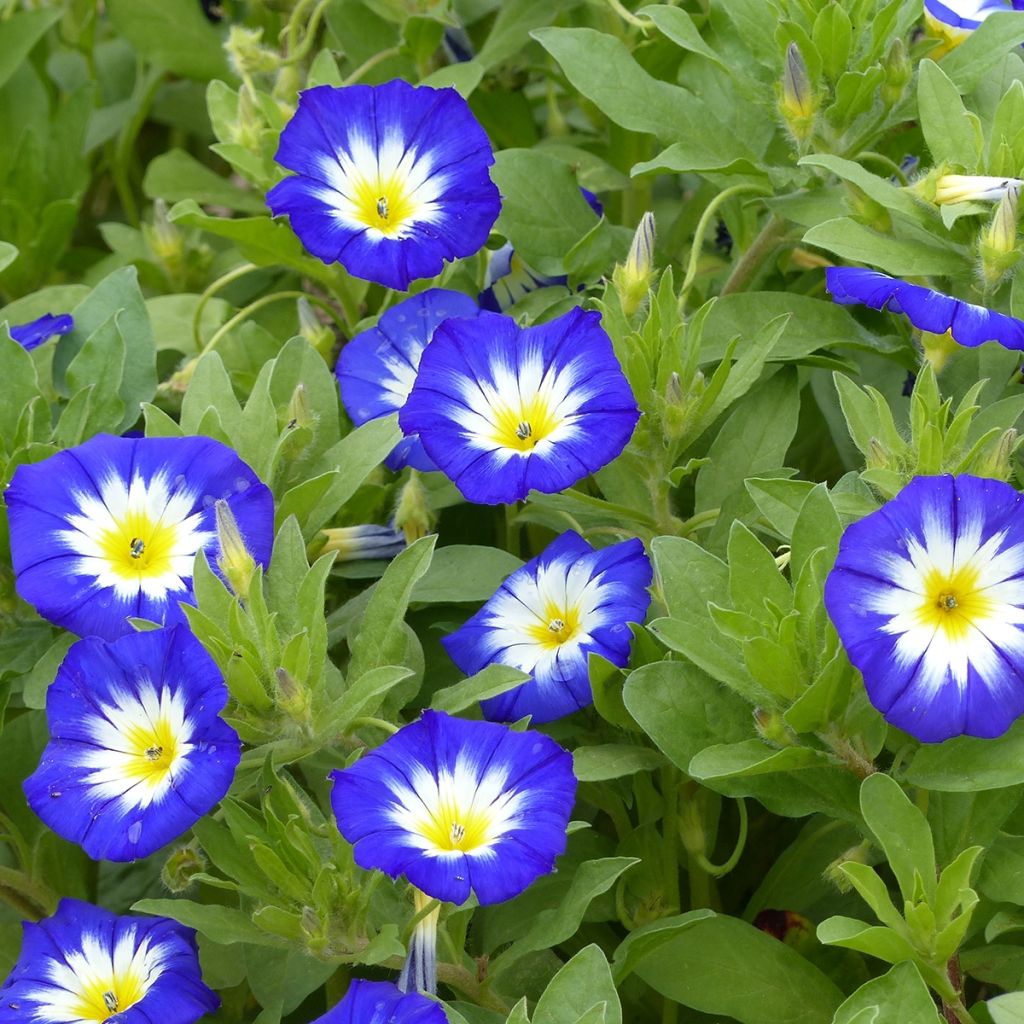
369	1002
470	359
377	367
949	16
95	676
33	334
438	126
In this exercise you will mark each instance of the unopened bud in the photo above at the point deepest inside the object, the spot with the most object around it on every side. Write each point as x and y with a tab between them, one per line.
318	334
677	409
996	462
772	727
938	348
997	244
248	54
299	413
972	188
872	212
797	104
898	72
691	823
181	867
165	240
358	542
632	279
413	514
877	455
834	872
291	697
250	123
233	558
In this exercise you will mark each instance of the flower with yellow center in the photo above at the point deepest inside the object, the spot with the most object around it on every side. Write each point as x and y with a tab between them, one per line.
85	965
927	595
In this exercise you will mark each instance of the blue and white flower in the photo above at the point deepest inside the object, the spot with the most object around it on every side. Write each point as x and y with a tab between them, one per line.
509	279
377	368
973	188
927	309
548	616
138	752
928	597
503	410
966	14
391	180
109	529
381	1002
33	334
85	965
458	807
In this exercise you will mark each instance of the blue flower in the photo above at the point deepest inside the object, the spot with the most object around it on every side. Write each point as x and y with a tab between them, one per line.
376	369
110	528
380	1002
368	540
32	335
504	410
391	180
138	752
509	279
548	616
967	14
928	597
458	807
85	965
926	309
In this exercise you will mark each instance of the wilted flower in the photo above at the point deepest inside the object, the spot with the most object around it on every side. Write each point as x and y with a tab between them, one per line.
109	529
925	308
548	616
380	1002
392	180
138	752
458	807
85	964
928	597
377	368
503	410
34	333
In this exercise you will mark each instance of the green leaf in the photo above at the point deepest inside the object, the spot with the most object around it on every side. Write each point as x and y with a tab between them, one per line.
751	757
178	175
754	576
1007	1009
948	129
675	24
464	573
101	361
725	967
899	996
832	35
581	986
173	34
512	27
613	761
648	937
817	526
882	190
966	764
854	241
20	34
219	924
365	696
984	49
488	682
872	939
381	637
543	212
8	254
21	385
902	832
779	501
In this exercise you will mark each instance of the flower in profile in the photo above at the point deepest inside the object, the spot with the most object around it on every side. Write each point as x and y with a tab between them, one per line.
925	308
368	540
548	616
109	529
381	1002
34	333
85	965
967	188
376	369
391	180
510	279
928	597
458	807
503	410
138	751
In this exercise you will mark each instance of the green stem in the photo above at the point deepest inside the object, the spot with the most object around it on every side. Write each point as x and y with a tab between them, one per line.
670	836
761	249
297	54
145	92
717	870
706	518
210	291
701	233
512	530
266	300
377	723
371	62
628	16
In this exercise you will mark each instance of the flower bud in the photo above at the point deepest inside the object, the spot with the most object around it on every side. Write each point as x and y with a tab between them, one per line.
299	413
181	867
772	727
972	188
898	72
938	348
233	559
797	103
248	54
413	514
166	241
996	462
357	542
997	244
250	123
834	872
291	697
318	334
632	279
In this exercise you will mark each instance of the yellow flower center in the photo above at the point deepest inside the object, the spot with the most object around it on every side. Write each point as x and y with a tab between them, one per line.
953	602
522	425
451	827
555	627
108	993
137	547
384	203
152	748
